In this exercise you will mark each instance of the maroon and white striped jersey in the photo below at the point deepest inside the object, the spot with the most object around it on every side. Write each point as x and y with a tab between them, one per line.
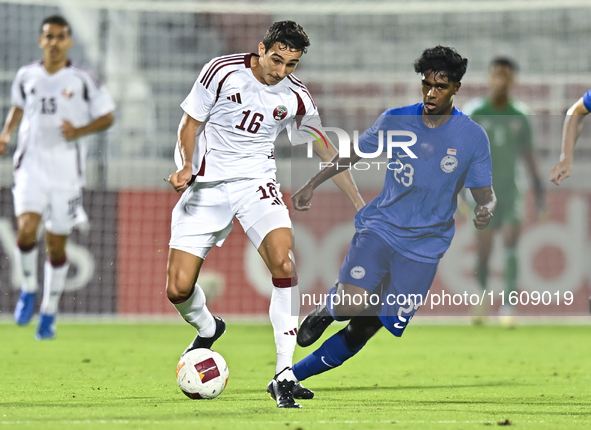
72	94
242	119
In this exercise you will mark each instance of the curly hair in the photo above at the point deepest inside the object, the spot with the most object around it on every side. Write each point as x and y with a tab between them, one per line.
287	33
442	59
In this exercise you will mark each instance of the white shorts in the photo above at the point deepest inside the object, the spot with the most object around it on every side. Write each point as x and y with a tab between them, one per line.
60	208
203	216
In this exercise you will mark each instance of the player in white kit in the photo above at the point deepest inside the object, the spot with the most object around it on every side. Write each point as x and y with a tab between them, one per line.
237	107
56	104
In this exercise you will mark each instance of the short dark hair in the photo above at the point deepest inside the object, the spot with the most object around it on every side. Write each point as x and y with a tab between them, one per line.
442	59
56	19
288	33
505	62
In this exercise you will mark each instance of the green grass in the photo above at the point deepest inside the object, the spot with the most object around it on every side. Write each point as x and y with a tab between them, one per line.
121	376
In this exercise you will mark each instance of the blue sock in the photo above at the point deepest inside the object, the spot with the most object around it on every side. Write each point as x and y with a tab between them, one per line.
330	304
332	353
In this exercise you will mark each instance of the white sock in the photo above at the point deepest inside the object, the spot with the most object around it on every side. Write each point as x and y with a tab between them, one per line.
286	375
194	311
284	311
53	287
27	266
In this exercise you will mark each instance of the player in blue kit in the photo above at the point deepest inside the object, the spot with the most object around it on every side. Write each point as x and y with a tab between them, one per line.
573	125
402	234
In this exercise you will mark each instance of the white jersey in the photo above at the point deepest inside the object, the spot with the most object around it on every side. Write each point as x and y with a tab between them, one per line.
242	119
71	94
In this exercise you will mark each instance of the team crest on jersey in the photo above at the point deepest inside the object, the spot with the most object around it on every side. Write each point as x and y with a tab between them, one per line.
449	163
68	93
280	112
357	272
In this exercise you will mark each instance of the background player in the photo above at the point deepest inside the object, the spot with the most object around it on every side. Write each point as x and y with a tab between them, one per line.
244	101
58	103
571	131
402	233
508	127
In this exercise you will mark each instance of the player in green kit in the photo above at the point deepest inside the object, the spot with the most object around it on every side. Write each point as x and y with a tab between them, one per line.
509	130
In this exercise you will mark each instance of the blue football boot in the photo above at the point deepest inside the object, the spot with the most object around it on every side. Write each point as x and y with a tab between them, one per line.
25	308
46	328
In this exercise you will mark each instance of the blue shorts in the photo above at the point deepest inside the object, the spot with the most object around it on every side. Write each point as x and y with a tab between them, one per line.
397	285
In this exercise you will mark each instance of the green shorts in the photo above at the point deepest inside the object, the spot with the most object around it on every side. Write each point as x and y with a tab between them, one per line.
509	211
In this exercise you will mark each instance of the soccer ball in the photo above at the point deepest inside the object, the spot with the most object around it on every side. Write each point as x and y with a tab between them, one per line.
202	374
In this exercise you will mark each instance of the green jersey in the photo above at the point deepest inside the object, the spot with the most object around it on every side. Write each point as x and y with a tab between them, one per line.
510	134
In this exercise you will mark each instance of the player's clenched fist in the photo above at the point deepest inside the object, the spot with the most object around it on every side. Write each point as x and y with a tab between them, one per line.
301	199
181	180
69	132
483	216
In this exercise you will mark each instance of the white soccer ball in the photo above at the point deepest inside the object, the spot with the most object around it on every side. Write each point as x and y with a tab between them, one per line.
202	374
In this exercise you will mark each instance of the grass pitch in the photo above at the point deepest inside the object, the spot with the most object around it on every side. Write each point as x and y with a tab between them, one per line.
122	376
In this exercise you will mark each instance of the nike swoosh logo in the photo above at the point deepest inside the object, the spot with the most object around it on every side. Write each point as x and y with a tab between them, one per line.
401	155
398	326
324	361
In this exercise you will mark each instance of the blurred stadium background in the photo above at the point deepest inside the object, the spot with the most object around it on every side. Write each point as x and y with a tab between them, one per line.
360	63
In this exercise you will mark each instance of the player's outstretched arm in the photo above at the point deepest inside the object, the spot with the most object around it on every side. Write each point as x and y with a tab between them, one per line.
301	198
573	124
186	141
486	202
12	121
69	132
343	180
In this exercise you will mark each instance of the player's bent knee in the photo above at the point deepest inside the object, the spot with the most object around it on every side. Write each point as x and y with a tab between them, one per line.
176	295
178	286
26	236
348	310
281	267
364	328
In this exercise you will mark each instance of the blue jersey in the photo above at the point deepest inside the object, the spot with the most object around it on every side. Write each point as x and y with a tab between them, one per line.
414	211
587	100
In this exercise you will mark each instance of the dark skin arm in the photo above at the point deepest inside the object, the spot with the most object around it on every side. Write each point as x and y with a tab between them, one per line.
486	202
485	197
301	199
345	181
532	167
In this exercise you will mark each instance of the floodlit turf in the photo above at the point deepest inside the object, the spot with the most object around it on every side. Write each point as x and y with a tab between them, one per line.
121	376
